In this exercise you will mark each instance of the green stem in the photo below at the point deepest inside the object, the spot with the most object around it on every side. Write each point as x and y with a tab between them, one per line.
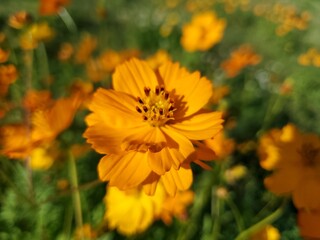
68	20
258	226
236	214
216	214
76	192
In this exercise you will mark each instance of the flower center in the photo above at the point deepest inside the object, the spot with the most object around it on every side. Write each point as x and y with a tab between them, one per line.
156	107
309	154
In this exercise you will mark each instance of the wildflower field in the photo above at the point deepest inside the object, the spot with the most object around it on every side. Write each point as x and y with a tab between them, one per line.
159	119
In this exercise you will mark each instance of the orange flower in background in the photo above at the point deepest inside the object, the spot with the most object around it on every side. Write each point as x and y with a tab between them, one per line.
239	59
203	32
85	232
19	19
146	124
37	99
295	159
8	75
86	47
176	206
4	55
159	58
51	7
267	233
132	211
46	124
309	222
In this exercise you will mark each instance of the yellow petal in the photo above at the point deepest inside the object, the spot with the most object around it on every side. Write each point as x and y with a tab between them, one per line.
150	183
124	171
177	180
133	76
115	109
194	90
199	126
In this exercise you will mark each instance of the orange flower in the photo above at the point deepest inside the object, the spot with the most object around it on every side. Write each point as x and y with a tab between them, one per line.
19	19
295	159
132	212
8	75
160	57
146	124
176	206
4	55
86	47
309	222
240	58
51	7
267	233
18	141
204	31
85	232
37	99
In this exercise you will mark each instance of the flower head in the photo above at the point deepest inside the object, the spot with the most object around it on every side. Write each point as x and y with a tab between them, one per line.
267	233
204	31
295	159
309	222
146	124
50	7
131	211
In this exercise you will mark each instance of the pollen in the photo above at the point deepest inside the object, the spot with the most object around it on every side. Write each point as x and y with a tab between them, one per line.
156	106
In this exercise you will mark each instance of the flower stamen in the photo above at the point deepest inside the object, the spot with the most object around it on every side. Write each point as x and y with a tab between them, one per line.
156	106
309	154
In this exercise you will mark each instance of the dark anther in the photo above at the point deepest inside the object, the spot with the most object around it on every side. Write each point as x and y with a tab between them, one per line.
166	95
138	109
140	100
145	109
147	91
161	111
162	89
171	108
145	118
157	90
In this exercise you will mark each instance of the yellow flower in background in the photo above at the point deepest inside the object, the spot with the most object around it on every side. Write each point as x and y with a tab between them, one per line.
267	233
35	34
41	159
296	167
131	212
176	206
146	124
239	59
309	222
203	32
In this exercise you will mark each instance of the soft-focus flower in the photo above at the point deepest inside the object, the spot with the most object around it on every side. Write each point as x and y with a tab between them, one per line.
295	159
19	19
204	31
219	92
46	124
267	233
239	59
85	233
159	58
176	206
37	33
86	47
34	99
65	52
132	211
41	159
8	75
146	124
51	7
235	173
4	55
309	222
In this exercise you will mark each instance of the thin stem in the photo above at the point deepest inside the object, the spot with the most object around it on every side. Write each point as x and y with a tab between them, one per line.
68	20
76	193
236	214
258	226
216	212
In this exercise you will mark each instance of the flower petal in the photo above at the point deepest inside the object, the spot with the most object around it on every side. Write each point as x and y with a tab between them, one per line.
115	109
124	171
194	90
177	180
150	184
133	76
199	126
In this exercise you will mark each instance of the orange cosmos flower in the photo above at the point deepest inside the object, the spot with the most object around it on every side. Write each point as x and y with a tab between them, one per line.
176	206
146	124
132	212
309	222
204	31
35	100
295	159
239	59
19	19
51	7
8	75
19	140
